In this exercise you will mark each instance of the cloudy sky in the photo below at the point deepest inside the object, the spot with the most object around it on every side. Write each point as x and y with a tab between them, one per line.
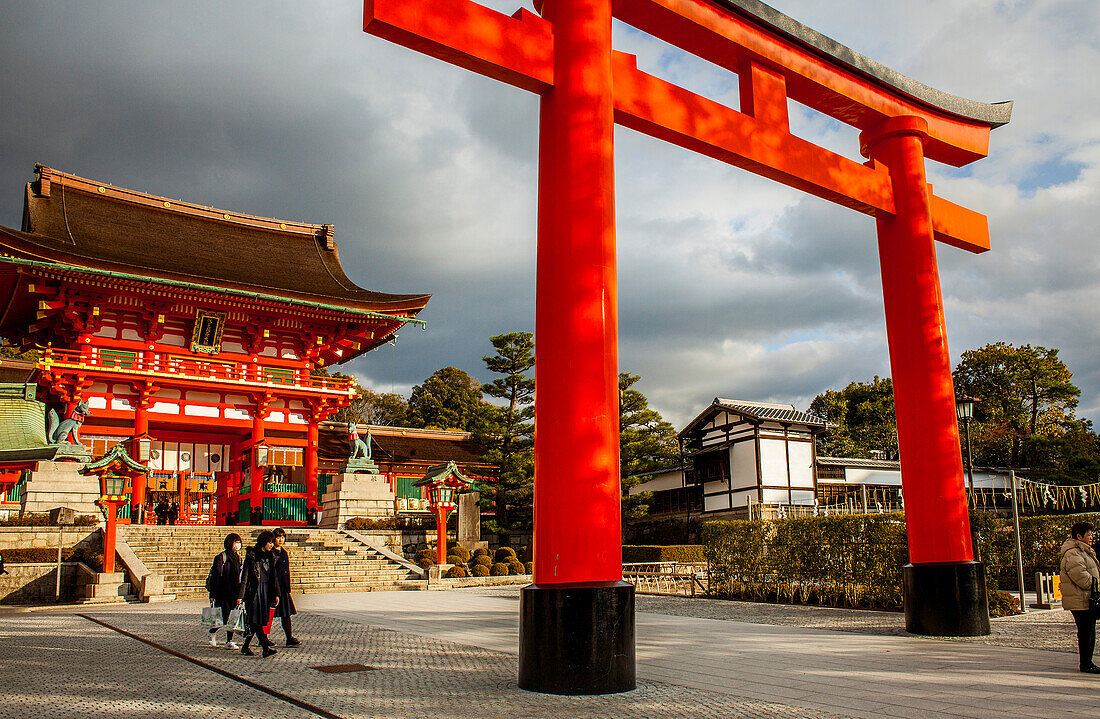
730	285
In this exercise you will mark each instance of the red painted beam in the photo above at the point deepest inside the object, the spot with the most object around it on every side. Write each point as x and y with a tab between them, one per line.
668	112
517	50
729	40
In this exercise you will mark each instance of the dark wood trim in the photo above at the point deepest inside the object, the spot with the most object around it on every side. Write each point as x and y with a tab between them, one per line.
787	451
759	471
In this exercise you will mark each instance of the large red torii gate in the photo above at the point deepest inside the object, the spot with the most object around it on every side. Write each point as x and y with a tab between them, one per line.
577	630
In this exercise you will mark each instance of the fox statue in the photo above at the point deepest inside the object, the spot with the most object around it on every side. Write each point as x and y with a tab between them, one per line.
59	430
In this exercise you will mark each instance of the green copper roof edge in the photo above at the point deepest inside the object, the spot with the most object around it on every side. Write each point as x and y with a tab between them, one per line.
191	285
117	452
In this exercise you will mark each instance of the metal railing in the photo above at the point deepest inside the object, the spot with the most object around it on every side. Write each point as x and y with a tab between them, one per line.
169	365
678	579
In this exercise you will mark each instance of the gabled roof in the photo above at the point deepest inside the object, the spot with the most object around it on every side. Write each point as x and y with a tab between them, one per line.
756	412
442	473
75	222
115	455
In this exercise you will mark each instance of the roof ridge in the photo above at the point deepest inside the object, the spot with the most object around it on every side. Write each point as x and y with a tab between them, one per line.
751	403
48	176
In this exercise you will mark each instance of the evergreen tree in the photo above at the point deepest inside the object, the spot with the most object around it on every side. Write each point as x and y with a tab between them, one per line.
449	399
1025	398
508	433
646	442
861	420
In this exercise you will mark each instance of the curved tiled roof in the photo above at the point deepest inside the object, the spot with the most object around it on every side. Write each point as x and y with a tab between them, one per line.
769	411
78	222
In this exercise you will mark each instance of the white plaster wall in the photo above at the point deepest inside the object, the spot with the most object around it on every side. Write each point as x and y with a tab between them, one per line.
773	462
802	474
743	465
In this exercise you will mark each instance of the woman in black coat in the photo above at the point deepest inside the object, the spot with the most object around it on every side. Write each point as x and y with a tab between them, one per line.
282	574
259	591
224	585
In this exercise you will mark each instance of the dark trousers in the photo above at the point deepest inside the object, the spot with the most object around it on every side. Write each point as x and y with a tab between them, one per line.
1086	635
257	631
226	608
286	627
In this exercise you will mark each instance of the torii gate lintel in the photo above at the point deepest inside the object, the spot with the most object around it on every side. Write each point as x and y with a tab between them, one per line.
577	618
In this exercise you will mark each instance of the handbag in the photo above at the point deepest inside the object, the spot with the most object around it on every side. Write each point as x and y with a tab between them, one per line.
1094	598
211	617
236	621
270	619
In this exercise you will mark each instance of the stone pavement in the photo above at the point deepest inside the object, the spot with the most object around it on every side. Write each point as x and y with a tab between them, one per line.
452	654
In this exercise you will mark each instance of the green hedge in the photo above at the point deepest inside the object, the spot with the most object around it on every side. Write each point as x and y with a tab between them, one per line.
667	553
840	561
856	560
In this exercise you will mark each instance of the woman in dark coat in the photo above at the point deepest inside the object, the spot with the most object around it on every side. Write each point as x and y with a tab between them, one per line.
282	573
224	585
260	591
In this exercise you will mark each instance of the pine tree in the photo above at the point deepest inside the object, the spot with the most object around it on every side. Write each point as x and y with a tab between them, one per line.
508	433
646	442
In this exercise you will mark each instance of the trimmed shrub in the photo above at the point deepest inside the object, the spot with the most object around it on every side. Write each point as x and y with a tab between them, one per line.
461	552
457	572
43	520
499	569
529	568
479	570
664	553
504	554
452	559
91	556
515	567
481	561
856	560
425	562
481	552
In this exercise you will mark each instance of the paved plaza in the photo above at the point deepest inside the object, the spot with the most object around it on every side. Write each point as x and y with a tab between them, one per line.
453	654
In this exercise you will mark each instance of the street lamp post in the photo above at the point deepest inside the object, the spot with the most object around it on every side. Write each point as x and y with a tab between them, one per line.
964	409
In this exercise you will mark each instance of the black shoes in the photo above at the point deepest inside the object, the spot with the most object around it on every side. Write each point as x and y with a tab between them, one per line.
269	650
247	652
1091	670
292	642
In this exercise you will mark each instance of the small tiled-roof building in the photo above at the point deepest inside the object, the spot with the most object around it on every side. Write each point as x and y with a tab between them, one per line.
743	453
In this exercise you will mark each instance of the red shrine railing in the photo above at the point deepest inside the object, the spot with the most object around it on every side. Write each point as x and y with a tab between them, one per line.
164	364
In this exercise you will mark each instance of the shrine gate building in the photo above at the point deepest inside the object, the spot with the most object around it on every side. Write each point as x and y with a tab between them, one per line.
195	326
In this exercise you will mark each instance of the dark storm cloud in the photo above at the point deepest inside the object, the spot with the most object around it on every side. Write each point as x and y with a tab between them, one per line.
730	285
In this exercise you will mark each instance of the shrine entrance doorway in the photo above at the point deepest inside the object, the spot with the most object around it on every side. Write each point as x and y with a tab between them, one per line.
577	619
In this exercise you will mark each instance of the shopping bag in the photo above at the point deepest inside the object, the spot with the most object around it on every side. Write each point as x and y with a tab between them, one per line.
270	618
236	621
211	617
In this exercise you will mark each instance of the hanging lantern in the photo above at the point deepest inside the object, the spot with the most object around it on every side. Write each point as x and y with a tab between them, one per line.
260	454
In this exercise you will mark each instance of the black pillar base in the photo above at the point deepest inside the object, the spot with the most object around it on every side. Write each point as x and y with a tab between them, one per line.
946	600
577	638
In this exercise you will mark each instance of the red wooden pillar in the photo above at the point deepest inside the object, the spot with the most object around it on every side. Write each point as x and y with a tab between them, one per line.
310	462
577	630
257	473
137	491
941	558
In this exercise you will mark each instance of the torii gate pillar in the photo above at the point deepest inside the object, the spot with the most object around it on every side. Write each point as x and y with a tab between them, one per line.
944	588
577	618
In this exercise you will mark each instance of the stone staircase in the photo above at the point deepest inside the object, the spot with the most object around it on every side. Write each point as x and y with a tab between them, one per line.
321	560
